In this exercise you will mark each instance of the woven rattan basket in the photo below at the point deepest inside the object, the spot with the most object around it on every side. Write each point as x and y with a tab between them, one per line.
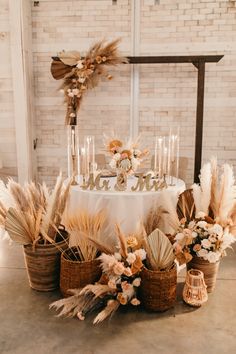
43	265
210	271
77	274
158	289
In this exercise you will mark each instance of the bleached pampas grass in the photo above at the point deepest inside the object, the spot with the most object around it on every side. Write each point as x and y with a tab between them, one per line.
202	192
32	213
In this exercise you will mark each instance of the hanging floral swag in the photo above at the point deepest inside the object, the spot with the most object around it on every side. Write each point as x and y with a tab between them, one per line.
81	73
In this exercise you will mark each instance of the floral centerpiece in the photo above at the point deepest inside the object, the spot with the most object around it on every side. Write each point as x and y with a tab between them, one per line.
126	157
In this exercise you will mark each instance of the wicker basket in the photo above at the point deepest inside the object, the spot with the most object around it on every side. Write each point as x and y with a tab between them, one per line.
77	274
209	270
158	289
43	265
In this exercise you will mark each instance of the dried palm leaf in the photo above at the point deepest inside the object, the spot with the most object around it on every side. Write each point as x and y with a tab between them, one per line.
185	205
161	250
59	69
17	227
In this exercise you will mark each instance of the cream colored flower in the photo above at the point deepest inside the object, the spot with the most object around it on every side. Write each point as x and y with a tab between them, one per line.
118	268
135	302
202	224
75	92
137	282
116	156
141	253
216	229
131	258
200	215
179	236
81	79
80	64
206	243
202	253
117	256
213	257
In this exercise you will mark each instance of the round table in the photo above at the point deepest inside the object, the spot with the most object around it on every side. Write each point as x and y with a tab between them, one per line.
127	208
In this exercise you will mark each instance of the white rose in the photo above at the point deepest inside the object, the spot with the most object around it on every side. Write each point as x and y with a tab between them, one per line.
179	236
141	253
137	282
117	256
202	224
112	163
194	234
206	243
125	164
228	239
216	229
191	225
200	215
202	253
212	257
135	163
131	258
116	157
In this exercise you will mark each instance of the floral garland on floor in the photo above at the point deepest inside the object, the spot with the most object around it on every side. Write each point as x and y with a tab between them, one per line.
83	72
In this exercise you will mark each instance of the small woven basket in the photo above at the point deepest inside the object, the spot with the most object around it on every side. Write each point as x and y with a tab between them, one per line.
210	271
77	274
158	289
43	265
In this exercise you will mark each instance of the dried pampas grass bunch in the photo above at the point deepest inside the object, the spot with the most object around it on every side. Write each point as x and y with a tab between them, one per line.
32	213
81	73
87	234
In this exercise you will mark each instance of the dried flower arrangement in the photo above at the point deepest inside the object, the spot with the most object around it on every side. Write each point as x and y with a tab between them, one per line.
83	72
208	216
31	214
117	286
125	156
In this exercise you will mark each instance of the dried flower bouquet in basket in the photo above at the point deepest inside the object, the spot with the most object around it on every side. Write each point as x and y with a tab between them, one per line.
207	216
117	286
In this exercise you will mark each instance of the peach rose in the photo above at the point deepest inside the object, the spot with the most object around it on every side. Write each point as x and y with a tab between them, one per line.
131	241
135	302
118	268
122	299
197	247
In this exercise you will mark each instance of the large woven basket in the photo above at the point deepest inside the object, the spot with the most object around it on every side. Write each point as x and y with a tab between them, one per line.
158	289
43	265
77	274
210	271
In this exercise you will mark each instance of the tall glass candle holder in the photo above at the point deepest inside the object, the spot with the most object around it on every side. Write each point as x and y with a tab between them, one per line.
173	155
160	145
89	150
72	152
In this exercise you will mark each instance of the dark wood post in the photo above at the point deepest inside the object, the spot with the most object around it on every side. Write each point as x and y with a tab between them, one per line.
199	118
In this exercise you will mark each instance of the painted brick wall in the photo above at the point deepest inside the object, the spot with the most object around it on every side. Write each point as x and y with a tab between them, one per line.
7	129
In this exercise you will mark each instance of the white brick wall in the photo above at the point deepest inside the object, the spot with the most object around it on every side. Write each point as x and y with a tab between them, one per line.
7	129
167	92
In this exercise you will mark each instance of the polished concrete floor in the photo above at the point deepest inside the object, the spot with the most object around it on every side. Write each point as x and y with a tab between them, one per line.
28	326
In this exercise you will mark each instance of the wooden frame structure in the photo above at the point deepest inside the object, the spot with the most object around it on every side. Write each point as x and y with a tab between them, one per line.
199	61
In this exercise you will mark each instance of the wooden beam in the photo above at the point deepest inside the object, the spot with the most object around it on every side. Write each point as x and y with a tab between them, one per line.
199	120
174	59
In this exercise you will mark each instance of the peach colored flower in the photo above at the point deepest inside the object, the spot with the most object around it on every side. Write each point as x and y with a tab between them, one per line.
135	302
126	286
137	282
131	258
118	268
112	284
197	247
131	241
80	316
127	272
122	299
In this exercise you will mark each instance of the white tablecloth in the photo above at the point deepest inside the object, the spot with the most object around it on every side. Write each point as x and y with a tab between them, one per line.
126	208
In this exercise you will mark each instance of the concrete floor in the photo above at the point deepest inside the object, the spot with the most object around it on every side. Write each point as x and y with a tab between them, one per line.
27	325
